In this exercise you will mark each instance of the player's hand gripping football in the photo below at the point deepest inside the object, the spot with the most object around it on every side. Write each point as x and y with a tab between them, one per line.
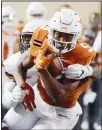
42	61
28	101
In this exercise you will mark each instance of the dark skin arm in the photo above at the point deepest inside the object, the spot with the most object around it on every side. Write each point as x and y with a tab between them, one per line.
54	88
25	63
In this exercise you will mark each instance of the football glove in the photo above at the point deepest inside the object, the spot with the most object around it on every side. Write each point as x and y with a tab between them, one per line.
43	61
77	71
18	94
28	101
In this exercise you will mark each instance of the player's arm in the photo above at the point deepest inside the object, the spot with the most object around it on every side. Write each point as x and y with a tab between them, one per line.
54	87
25	63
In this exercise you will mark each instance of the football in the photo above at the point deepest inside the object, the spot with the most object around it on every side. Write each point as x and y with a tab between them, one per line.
55	67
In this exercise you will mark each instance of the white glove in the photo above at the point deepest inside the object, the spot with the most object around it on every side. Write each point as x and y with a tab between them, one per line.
18	94
77	71
89	97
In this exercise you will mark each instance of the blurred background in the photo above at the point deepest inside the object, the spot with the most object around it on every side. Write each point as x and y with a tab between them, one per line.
90	13
82	8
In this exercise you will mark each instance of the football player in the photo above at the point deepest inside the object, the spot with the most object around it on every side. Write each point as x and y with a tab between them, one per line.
56	99
89	96
88	37
13	94
9	23
24	45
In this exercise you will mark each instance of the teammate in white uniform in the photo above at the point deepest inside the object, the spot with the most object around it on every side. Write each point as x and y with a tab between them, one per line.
9	23
46	116
12	61
12	93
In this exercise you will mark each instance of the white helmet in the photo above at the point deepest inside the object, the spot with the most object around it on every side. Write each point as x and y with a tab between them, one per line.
65	21
28	31
8	14
37	10
9	19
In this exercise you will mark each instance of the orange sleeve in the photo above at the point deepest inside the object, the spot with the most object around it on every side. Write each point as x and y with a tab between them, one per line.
86	52
91	58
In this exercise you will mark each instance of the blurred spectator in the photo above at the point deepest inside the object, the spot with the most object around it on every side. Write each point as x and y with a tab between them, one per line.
95	19
9	23
98	83
95	22
36	10
92	99
88	37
